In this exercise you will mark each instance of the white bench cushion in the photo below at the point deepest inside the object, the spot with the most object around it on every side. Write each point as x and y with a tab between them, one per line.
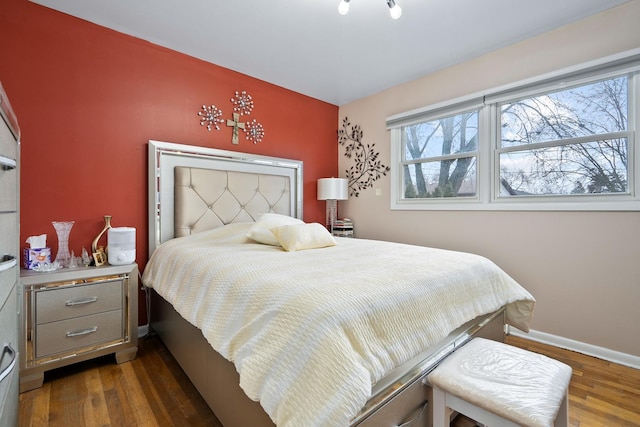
518	385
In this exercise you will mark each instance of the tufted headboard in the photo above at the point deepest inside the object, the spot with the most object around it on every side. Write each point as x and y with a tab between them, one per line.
208	198
193	189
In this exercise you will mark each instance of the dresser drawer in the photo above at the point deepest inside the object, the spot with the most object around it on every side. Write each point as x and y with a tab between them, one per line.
68	335
8	359
81	300
8	171
9	234
8	278
9	321
9	397
8	188
8	144
9	392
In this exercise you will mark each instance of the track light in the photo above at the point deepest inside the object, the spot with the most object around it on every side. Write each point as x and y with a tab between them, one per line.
343	7
394	9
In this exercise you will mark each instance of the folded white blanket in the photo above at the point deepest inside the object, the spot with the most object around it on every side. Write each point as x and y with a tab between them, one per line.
311	331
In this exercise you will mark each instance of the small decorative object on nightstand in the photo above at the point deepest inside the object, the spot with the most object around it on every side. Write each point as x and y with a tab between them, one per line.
72	315
343	227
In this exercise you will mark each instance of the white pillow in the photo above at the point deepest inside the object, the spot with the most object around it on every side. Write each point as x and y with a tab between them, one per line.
260	231
298	237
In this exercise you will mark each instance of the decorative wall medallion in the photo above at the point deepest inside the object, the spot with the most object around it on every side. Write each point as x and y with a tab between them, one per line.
242	103
368	168
209	116
254	131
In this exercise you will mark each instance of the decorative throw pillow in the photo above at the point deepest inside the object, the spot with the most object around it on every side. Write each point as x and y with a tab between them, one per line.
298	237
260	231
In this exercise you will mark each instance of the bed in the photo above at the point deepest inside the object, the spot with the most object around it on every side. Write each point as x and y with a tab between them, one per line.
319	336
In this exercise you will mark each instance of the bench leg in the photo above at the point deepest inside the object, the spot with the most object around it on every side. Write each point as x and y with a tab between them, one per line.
440	410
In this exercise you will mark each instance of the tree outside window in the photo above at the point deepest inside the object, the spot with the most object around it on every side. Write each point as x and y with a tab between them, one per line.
440	157
569	142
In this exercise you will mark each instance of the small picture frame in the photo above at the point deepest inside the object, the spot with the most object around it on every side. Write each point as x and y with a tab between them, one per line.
99	258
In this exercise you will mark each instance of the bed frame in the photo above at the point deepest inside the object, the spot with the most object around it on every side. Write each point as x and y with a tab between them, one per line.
195	188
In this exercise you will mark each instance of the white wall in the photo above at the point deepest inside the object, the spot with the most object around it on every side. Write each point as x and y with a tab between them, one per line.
582	267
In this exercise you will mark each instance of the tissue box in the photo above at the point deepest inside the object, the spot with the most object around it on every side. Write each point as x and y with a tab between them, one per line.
32	257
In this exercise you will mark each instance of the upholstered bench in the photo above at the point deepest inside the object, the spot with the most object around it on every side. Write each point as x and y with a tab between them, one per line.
500	385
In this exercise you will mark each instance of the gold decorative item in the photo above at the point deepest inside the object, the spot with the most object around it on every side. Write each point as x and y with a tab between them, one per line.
94	245
99	256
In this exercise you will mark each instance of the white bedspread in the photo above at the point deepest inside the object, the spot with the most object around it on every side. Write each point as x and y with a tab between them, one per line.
311	331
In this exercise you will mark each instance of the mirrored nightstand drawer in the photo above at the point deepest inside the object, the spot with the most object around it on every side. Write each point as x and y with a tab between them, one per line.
79	300
67	335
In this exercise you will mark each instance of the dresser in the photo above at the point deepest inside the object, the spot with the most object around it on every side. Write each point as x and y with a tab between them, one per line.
9	247
75	314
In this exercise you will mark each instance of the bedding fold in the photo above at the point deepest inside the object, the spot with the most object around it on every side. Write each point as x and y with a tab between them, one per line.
310	332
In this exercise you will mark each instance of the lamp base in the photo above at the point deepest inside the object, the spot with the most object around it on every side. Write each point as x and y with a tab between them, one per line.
331	214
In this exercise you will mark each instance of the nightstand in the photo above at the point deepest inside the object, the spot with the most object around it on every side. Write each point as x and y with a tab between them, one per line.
72	315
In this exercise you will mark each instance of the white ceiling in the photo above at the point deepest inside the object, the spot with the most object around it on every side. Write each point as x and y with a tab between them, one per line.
306	46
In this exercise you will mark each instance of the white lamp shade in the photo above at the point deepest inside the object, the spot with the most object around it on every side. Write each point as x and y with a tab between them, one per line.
333	189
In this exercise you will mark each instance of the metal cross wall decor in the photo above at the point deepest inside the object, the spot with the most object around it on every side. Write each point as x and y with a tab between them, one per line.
242	104
236	126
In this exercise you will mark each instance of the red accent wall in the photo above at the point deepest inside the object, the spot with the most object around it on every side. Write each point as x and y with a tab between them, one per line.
88	99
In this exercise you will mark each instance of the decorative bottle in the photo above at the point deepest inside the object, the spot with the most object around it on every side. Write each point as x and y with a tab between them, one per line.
107	225
63	229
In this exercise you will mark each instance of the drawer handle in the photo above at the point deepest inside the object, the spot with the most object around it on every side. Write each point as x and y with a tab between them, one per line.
82	332
417	417
7	164
6	371
81	301
7	262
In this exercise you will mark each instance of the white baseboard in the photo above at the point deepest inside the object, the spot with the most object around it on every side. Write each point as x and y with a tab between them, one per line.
143	330
580	347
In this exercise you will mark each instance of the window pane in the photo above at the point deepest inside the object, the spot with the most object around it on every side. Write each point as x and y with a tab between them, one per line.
450	178
592	109
593	167
449	135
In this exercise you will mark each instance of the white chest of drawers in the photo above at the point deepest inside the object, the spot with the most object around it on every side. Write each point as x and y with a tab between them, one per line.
9	231
77	314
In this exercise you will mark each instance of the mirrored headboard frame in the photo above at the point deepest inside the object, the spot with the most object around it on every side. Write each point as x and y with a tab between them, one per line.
165	156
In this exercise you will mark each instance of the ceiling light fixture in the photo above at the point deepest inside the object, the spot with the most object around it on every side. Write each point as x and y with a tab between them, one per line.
394	9
343	7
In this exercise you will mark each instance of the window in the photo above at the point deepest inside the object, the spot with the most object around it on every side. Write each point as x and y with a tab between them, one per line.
439	157
565	141
569	142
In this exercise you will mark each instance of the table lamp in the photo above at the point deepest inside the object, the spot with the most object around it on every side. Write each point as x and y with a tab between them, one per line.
332	190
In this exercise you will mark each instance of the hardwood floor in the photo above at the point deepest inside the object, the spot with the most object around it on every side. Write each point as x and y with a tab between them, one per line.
152	391
601	393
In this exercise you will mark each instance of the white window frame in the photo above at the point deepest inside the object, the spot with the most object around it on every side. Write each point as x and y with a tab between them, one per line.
475	154
487	197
